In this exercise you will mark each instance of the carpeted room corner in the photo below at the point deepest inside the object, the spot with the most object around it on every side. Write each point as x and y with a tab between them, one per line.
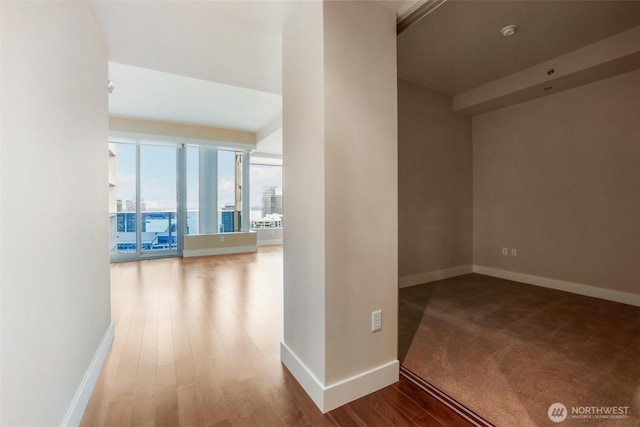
508	350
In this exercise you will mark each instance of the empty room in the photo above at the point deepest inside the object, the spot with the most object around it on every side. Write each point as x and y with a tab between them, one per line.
413	213
519	209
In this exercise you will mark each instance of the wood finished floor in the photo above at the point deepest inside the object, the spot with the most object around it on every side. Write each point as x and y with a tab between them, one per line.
197	344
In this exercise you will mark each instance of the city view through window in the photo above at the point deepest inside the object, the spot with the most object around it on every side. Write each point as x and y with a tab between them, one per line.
266	196
158	186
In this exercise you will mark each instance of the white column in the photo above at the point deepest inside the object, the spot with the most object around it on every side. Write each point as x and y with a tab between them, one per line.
340	241
208	190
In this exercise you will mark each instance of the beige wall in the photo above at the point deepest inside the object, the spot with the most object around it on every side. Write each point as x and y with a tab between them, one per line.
54	273
361	186
168	130
435	182
558	178
222	243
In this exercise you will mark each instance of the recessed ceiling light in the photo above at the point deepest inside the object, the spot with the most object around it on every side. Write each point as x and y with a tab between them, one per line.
508	31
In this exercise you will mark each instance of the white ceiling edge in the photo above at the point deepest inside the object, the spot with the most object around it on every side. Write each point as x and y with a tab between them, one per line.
265	159
155	95
270	128
272	144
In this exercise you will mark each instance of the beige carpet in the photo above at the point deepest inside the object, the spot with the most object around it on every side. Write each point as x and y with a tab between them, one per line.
508	350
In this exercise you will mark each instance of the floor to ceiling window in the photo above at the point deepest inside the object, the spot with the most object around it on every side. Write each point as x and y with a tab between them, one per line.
146	192
227	211
161	192
214	190
158	198
124	224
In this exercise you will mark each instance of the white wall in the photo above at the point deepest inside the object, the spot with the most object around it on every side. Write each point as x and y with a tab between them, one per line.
340	240
55	304
303	182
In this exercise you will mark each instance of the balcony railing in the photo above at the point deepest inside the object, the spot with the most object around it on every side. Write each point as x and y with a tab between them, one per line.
159	229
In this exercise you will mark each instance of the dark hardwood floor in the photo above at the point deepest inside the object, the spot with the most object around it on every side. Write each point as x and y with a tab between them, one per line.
197	344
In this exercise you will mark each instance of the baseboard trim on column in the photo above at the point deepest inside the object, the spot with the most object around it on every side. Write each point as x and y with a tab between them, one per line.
357	386
309	382
341	392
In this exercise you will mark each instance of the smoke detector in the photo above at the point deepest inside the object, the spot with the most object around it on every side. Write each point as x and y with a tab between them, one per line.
508	31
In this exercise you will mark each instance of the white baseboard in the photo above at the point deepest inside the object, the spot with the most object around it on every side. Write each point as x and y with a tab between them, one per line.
81	398
561	285
219	251
342	392
272	242
432	276
352	388
312	385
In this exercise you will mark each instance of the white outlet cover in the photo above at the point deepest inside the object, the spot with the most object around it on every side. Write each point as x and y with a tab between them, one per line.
376	320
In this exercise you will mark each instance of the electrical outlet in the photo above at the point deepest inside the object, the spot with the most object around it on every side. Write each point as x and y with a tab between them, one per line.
505	251
514	252
376	320
222	238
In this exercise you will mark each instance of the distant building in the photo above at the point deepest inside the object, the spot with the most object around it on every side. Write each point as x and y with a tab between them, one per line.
227	221
269	221
130	205
271	201
126	222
